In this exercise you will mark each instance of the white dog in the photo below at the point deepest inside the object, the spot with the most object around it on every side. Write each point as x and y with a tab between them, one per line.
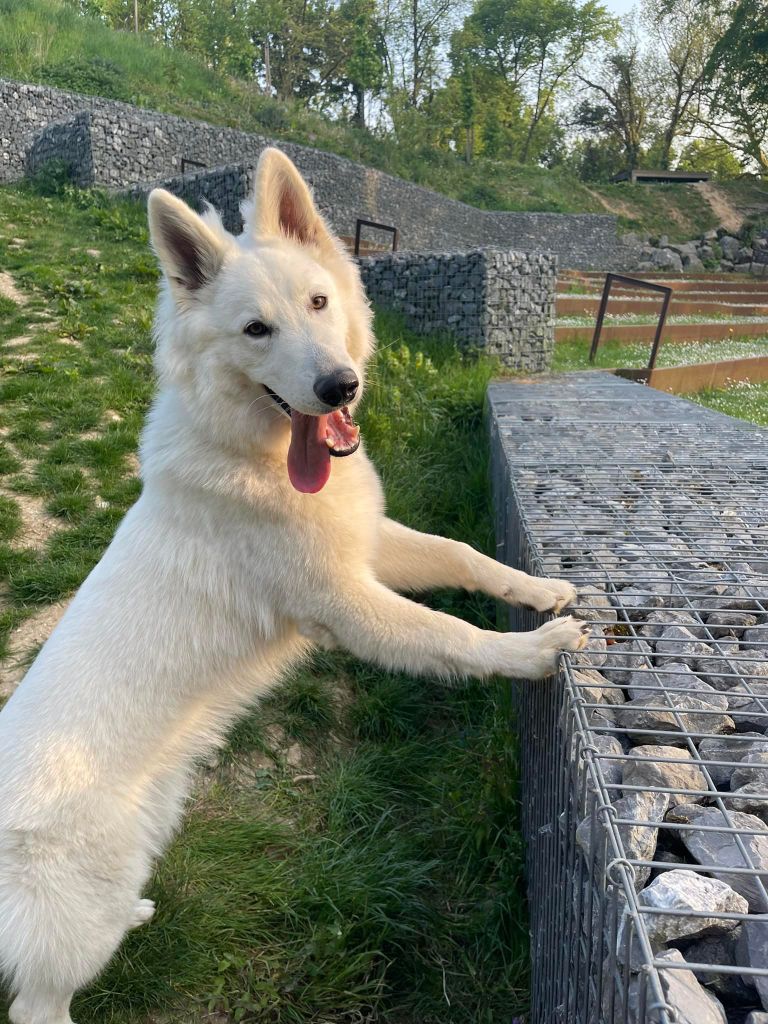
248	543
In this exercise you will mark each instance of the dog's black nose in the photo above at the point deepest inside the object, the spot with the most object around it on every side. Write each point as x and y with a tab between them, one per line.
338	388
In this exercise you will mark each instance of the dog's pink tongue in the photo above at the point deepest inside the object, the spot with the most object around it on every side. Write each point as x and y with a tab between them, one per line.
309	461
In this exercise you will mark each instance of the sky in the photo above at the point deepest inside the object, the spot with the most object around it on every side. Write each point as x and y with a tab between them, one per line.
619	6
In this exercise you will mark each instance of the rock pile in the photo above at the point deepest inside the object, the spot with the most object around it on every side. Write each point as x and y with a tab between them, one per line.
674	690
718	250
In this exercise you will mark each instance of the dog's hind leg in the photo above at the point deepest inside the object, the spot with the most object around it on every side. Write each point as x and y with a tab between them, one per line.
41	1004
143	912
65	905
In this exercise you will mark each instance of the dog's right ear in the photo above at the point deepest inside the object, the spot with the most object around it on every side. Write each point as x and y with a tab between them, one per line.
190	254
283	204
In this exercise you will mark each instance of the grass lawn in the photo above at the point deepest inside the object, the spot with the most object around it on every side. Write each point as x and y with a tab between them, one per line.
574	355
745	400
354	854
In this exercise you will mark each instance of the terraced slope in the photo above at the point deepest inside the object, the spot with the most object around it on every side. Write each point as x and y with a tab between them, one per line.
711	317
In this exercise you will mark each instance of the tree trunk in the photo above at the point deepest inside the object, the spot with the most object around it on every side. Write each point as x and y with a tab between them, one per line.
358	118
415	28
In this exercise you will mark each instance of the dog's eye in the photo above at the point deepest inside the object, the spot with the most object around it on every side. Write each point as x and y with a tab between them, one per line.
256	329
319	301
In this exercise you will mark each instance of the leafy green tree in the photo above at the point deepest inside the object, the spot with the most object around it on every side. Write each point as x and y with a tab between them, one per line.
535	47
415	30
362	53
736	109
681	43
710	155
620	99
595	159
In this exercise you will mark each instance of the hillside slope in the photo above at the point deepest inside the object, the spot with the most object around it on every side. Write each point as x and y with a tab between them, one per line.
47	42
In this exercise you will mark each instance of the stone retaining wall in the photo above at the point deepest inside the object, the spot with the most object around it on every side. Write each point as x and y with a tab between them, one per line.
129	146
499	301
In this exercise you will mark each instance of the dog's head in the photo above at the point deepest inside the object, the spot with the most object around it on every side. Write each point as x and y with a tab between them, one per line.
268	333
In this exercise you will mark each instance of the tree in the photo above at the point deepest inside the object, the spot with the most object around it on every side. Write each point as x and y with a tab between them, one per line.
736	108
535	46
681	45
620	100
414	31
362	70
710	155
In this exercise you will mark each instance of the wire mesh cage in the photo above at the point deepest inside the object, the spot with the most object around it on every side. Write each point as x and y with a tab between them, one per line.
645	762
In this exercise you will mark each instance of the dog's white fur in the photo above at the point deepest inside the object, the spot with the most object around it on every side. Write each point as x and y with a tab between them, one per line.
215	584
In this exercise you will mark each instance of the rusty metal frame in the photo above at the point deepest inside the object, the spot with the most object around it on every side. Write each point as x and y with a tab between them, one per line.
374	224
194	164
632	282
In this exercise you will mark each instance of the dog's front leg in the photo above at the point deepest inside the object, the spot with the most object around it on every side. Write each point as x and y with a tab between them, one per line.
413	561
380	626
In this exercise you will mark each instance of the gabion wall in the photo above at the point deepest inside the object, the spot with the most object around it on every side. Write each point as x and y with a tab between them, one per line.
225	188
499	301
645	762
130	145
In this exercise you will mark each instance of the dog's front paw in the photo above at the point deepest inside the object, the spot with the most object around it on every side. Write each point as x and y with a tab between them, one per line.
143	912
546	595
549	641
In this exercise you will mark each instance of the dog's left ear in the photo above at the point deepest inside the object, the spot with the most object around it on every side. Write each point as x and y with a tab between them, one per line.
283	204
189	252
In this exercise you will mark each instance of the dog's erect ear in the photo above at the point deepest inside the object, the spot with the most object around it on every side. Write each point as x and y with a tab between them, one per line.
283	204
189	252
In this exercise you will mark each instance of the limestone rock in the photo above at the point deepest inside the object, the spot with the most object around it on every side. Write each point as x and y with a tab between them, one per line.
731	667
691	1002
752	951
756	636
639	840
649	771
753	768
594	605
658	620
651	722
749	703
720	950
675	675
676	643
611	765
751	798
681	889
720	848
729	623
627	657
729	748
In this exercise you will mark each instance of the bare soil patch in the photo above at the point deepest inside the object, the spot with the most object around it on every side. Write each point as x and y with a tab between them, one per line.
727	214
9	290
24	641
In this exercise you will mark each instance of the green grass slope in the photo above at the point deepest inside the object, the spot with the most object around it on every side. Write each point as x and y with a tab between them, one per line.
46	41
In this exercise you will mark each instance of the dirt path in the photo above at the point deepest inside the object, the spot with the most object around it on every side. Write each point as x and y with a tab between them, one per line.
727	214
617	206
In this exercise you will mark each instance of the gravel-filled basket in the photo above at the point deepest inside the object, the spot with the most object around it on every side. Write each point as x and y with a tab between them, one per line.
645	762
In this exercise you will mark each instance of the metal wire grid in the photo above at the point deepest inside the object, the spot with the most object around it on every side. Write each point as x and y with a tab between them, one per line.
592	955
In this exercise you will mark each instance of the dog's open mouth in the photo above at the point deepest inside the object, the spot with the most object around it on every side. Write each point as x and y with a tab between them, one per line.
313	440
